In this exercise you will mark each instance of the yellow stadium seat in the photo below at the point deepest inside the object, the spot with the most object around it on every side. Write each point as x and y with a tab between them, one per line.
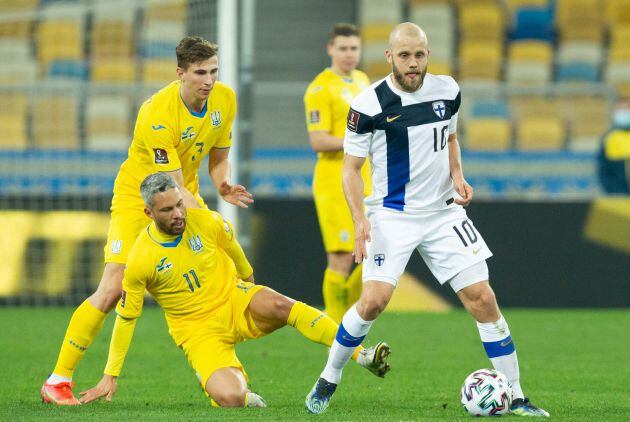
617	12
540	133
479	60
18	6
16	29
512	5
532	106
13	129
13	121
112	39
59	40
55	122
158	71
587	117
620	35
376	32
619	53
378	69
582	32
488	134
173	10
114	70
481	22
623	90
530	51
440	68
580	20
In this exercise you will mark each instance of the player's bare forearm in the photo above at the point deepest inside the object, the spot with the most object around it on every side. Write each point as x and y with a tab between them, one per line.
457	174
220	171
189	199
353	184
322	141
455	157
219	166
353	190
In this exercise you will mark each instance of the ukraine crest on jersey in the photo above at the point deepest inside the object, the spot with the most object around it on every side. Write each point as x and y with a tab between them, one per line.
168	136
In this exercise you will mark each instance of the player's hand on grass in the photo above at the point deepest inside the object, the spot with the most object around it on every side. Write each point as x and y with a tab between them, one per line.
106	387
464	190
361	235
235	195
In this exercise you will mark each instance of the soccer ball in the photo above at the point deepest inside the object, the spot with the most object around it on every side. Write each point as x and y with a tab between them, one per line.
486	392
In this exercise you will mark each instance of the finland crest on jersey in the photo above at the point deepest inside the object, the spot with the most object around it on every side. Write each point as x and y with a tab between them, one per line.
406	136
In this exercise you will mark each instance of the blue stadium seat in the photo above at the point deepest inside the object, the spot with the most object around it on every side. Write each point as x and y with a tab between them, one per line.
68	69
533	23
577	72
157	49
496	108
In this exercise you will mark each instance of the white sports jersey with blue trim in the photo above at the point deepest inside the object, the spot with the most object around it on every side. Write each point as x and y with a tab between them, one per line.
405	135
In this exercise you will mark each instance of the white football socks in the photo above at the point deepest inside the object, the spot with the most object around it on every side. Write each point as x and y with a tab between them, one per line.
500	349
56	379
351	333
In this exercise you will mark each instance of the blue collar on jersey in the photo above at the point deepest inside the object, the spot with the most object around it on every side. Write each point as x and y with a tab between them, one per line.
194	113
172	244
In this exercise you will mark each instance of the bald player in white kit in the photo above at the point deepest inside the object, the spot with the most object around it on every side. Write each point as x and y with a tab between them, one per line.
406	123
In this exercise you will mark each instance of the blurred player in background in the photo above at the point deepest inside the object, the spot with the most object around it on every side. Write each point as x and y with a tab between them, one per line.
614	153
176	128
407	124
188	258
327	101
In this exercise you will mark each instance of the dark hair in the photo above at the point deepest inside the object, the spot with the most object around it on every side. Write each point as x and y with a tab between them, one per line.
342	29
194	50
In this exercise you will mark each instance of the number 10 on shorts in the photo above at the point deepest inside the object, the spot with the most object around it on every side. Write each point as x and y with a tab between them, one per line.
468	229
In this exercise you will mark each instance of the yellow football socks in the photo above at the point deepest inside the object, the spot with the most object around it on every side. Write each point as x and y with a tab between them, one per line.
315	325
335	295
354	285
85	324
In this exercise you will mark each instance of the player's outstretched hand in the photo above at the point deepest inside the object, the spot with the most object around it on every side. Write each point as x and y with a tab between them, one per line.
106	387
362	230
235	195
464	190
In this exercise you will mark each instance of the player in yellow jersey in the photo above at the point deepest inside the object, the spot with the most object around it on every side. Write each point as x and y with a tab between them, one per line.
191	263
176	128
327	102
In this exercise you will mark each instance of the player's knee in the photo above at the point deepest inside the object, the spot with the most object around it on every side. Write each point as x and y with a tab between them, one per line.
372	306
282	307
485	301
230	398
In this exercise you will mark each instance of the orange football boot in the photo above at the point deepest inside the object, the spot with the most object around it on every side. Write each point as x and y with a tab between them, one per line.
59	394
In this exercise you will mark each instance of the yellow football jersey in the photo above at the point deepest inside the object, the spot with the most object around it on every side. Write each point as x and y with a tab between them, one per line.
327	102
190	276
168	136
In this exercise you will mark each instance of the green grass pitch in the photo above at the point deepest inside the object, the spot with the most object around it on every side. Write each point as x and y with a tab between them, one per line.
575	364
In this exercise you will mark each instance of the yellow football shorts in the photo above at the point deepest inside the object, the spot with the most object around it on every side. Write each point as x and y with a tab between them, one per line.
335	222
211	346
124	227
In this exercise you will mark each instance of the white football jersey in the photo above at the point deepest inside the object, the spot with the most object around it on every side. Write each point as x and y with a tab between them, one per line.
405	136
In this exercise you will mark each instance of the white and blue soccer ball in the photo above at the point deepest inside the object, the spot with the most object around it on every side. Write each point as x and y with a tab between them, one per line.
486	392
